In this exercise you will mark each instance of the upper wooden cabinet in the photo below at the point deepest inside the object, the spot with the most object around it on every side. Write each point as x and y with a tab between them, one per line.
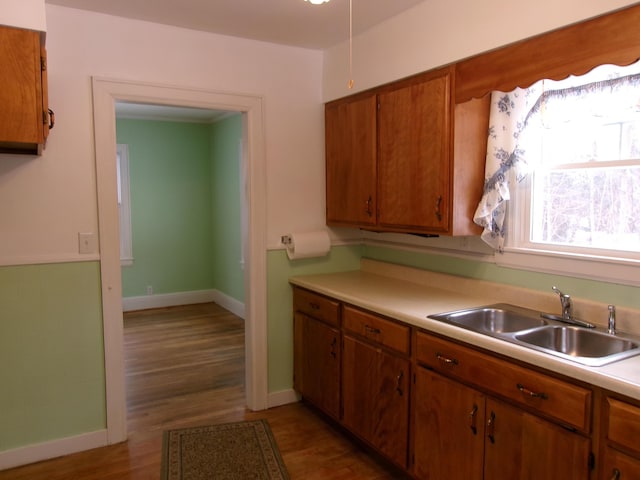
394	163
350	129
25	120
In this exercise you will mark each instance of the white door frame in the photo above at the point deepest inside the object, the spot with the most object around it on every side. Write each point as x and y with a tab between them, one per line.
105	94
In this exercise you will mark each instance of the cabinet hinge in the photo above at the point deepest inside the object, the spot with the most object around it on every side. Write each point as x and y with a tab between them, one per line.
43	64
591	462
414	378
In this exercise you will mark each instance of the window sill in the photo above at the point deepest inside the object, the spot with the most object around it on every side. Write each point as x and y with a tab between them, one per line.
606	269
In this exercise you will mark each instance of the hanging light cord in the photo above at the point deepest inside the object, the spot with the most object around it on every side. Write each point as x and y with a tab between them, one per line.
350	44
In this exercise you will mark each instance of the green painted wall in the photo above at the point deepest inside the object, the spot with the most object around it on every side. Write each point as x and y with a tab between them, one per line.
51	353
622	295
280	298
171	215
228	273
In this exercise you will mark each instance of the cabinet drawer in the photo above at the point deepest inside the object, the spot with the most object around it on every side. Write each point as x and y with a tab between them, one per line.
624	424
377	329
316	306
565	402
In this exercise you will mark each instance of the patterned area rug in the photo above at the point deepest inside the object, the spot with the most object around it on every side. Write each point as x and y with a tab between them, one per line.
242	450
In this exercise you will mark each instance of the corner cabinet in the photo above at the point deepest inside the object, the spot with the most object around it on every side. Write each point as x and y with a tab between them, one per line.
394	162
26	118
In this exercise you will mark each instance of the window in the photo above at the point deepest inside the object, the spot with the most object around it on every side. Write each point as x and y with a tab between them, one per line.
582	196
124	204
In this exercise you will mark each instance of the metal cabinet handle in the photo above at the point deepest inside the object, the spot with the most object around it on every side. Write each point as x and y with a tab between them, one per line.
52	118
616	474
531	393
368	209
398	383
370	329
491	426
473	415
314	306
438	204
446	360
333	347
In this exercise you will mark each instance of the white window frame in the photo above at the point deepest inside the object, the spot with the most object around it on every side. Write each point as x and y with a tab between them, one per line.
124	204
520	252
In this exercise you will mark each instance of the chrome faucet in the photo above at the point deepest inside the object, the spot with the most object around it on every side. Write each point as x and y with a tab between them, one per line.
612	320
565	302
567	311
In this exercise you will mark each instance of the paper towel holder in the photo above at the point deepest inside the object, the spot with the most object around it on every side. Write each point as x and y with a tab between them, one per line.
285	239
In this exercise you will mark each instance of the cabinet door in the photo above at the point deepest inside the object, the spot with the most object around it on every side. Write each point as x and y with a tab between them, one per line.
448	426
523	446
317	363
413	156
618	466
21	90
375	398
350	132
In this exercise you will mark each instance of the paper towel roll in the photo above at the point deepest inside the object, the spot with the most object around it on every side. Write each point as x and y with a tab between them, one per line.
308	245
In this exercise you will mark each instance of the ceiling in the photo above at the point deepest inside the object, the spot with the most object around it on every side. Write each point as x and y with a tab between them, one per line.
289	22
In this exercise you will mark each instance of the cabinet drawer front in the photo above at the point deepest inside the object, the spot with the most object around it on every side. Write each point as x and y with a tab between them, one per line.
565	402
377	329
624	424
316	306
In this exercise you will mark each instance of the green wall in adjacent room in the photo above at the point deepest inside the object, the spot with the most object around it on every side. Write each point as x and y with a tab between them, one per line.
228	272
280	298
51	353
170	206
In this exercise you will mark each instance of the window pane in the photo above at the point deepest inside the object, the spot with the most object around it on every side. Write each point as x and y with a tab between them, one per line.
589	207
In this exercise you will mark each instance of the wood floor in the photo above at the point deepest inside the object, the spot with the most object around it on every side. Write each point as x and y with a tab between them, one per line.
185	367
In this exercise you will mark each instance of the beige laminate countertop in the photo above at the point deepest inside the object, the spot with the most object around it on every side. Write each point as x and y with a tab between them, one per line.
410	301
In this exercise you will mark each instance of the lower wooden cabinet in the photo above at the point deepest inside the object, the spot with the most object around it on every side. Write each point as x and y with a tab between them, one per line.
461	433
621	443
439	409
448	428
375	397
317	363
619	466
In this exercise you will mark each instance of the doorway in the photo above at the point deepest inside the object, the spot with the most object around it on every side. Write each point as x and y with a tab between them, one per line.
106	93
180	192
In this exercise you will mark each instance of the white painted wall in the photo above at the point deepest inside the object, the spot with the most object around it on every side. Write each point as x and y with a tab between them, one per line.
24	14
53	197
438	32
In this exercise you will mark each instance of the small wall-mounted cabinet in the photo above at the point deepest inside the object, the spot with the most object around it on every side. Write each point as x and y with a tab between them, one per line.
394	162
26	118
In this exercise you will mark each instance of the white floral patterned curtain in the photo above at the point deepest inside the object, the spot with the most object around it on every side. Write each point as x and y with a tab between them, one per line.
507	158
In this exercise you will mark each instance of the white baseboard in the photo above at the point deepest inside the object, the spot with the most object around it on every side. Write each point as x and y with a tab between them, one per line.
55	448
234	306
183	298
283	397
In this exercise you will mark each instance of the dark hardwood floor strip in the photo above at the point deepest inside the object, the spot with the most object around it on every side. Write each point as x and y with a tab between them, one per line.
185	367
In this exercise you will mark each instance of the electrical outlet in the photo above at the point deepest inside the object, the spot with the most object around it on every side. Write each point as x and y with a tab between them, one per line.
87	243
149	290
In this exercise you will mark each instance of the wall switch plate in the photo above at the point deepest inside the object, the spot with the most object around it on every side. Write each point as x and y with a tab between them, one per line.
87	243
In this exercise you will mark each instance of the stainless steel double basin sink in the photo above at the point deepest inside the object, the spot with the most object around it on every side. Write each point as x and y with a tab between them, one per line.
527	328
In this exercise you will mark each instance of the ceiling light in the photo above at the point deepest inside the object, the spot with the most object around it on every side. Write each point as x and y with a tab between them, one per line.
317	2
